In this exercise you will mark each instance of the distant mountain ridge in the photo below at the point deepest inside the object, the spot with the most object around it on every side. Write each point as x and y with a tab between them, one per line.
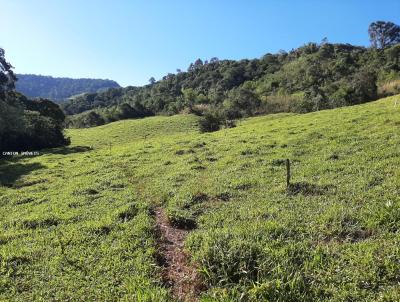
59	89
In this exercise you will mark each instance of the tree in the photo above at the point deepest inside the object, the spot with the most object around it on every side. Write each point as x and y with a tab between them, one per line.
12	122
242	101
363	87
191	67
7	77
152	80
47	108
126	111
26	124
92	119
383	34
41	132
214	60
198	63
190	96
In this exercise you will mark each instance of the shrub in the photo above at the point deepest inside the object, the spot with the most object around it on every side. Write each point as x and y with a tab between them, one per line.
211	121
243	102
87	119
199	109
302	106
280	103
389	88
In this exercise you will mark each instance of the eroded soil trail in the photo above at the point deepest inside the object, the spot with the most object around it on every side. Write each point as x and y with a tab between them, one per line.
178	273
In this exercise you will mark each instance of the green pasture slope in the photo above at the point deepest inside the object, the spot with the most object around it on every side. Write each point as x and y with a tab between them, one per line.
76	223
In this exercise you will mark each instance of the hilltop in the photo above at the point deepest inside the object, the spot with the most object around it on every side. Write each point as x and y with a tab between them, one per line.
310	78
83	222
59	89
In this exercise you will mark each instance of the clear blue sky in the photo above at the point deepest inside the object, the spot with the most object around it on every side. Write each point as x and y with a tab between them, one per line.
129	41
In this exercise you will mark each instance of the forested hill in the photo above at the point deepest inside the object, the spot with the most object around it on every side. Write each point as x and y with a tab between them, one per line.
59	89
309	78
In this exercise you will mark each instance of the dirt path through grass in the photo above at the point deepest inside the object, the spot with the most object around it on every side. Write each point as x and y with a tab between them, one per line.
178	273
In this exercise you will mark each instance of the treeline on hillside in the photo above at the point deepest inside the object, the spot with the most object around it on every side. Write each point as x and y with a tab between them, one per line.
59	89
312	77
25	124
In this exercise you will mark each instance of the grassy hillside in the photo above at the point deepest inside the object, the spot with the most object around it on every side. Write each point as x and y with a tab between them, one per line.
77	223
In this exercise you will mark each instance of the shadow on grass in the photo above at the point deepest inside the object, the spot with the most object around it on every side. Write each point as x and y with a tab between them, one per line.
67	150
10	172
305	188
11	169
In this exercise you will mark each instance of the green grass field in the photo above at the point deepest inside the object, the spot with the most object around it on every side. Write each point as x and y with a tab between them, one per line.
77	223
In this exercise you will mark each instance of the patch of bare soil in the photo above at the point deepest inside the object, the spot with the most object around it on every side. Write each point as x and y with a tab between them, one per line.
178	273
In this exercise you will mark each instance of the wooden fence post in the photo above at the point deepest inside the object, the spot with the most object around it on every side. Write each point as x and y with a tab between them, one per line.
287	172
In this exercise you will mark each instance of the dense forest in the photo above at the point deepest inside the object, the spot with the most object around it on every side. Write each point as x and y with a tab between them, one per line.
26	124
310	78
59	89
313	77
